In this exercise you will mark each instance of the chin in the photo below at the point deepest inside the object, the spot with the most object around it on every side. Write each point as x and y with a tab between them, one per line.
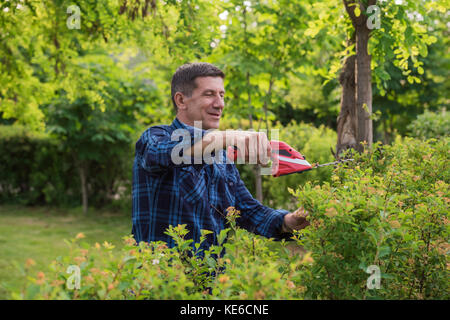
211	125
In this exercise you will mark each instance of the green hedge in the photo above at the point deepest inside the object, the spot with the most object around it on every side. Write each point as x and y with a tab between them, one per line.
35	169
431	125
389	209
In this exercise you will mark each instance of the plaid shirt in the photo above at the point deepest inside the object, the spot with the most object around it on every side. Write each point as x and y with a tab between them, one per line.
165	193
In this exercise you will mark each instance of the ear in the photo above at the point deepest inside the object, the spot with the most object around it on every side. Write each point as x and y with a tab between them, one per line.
180	101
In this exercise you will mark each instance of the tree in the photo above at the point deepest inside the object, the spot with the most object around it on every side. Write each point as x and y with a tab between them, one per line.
379	31
76	82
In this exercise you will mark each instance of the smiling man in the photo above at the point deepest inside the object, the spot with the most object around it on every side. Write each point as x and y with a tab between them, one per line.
168	192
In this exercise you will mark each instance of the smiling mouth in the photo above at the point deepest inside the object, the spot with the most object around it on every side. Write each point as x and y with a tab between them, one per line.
215	115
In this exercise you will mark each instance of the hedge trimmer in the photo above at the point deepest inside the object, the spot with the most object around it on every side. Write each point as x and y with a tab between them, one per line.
286	160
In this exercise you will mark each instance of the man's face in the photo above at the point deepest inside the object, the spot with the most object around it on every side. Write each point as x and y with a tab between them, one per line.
205	104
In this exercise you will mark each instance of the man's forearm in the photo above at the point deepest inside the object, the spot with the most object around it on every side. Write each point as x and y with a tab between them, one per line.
213	140
254	147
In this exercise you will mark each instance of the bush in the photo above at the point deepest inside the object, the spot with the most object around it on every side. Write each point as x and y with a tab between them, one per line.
431	125
389	209
33	169
36	169
153	271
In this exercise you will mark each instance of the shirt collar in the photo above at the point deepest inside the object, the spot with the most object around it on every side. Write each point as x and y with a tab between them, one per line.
177	124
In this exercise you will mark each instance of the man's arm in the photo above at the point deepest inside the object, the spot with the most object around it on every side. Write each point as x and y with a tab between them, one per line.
256	217
253	147
266	221
155	148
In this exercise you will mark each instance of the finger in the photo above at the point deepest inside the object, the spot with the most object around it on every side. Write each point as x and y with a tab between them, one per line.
302	215
241	145
231	154
253	148
264	148
247	148
304	225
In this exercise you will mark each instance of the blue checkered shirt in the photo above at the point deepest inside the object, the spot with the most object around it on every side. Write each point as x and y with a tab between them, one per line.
166	193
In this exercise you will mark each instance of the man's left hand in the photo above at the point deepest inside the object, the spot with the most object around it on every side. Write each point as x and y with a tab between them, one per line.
295	220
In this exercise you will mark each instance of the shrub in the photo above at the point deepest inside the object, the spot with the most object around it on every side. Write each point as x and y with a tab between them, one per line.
431	125
36	169
388	209
33	168
153	271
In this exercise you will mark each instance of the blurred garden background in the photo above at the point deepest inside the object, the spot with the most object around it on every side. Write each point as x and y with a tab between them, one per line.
81	80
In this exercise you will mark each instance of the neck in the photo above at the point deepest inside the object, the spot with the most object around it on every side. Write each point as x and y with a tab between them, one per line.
191	123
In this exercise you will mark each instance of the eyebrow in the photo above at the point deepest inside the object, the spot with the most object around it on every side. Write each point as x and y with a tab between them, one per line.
211	90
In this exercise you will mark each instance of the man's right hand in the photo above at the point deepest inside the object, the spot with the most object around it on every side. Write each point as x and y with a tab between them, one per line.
252	147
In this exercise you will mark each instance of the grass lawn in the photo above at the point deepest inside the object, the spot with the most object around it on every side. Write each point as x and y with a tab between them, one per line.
38	233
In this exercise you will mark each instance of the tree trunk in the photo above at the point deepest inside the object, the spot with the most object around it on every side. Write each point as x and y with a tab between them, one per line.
346	121
363	78
362	93
84	193
258	183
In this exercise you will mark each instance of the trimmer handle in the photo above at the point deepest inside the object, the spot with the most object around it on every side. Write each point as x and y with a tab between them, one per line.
285	159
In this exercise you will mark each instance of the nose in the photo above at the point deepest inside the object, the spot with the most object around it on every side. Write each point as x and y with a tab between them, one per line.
219	102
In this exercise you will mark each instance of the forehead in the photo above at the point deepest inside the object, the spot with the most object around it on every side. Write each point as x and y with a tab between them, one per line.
209	83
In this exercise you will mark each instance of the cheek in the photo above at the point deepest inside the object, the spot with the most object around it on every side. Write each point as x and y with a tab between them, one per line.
205	107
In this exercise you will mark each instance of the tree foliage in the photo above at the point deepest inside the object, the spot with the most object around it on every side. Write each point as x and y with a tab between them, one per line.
110	78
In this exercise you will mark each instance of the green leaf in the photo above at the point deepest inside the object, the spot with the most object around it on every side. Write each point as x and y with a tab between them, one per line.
383	251
222	236
127	259
363	266
32	291
123	285
373	234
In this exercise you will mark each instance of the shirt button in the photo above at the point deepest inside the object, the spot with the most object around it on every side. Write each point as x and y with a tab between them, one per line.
230	184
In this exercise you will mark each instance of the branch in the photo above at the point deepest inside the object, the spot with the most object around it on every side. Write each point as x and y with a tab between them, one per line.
350	6
369	3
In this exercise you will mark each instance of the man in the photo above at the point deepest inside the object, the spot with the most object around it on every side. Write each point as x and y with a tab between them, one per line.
167	191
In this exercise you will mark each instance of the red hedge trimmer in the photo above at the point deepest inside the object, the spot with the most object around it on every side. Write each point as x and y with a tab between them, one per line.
286	160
